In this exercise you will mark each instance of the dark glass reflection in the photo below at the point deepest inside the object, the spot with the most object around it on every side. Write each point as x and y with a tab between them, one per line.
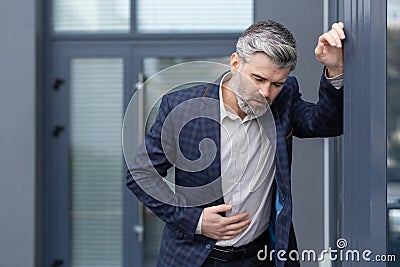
393	128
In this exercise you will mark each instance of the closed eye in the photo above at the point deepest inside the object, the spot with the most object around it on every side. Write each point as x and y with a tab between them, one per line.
258	79
278	84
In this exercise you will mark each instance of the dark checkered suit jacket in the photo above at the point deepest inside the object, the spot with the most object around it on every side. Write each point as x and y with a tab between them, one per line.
293	117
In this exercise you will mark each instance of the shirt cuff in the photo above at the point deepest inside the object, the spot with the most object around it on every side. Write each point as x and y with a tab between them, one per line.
336	81
198	228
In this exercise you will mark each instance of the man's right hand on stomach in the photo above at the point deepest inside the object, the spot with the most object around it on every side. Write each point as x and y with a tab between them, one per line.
218	227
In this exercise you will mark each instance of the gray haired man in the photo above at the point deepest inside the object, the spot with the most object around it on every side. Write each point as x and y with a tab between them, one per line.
251	223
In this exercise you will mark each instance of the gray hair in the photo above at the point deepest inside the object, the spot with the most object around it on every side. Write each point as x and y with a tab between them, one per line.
271	38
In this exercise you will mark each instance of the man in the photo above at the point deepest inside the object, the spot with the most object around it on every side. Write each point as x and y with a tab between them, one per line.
232	204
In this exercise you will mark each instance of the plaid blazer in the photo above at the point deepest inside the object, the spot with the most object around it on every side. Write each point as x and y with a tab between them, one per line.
293	117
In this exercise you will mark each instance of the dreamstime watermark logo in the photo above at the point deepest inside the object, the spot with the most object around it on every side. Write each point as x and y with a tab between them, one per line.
341	243
342	253
185	133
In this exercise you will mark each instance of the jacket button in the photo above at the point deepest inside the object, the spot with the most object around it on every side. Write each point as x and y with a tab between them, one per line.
208	246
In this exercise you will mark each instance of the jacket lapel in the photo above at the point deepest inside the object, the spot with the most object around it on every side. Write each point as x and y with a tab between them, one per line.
283	201
210	128
281	157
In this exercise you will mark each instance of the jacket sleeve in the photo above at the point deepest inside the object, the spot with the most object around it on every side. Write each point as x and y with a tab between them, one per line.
145	177
323	119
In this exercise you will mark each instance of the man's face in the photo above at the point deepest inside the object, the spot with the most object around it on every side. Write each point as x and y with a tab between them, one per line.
257	82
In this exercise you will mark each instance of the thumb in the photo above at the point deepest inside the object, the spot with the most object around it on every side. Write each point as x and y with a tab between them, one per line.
319	50
220	208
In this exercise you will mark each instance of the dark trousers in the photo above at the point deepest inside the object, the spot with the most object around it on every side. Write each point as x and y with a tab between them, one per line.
247	262
260	246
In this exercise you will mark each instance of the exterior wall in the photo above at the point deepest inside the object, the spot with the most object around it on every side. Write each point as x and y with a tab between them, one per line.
17	134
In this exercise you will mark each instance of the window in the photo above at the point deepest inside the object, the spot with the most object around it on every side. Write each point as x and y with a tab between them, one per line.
91	16
152	16
160	16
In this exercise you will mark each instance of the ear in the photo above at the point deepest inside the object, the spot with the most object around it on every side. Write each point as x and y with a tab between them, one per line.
235	61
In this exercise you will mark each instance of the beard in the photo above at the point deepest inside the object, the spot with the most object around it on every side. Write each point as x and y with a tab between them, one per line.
243	98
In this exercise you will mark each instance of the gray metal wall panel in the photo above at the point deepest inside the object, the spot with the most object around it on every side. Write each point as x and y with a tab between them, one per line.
363	187
17	134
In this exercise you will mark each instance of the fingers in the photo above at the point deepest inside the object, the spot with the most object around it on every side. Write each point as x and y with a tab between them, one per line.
319	50
230	230
336	38
220	208
339	28
333	37
328	39
223	228
329	50
232	233
237	226
235	218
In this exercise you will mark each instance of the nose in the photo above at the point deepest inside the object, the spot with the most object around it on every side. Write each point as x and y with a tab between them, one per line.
264	90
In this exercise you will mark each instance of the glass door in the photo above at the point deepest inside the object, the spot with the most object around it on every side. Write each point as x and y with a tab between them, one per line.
95	161
85	184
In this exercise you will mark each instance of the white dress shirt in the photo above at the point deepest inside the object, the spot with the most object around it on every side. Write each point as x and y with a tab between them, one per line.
247	172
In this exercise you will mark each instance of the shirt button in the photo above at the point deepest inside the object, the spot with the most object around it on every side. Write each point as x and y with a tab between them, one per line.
208	246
